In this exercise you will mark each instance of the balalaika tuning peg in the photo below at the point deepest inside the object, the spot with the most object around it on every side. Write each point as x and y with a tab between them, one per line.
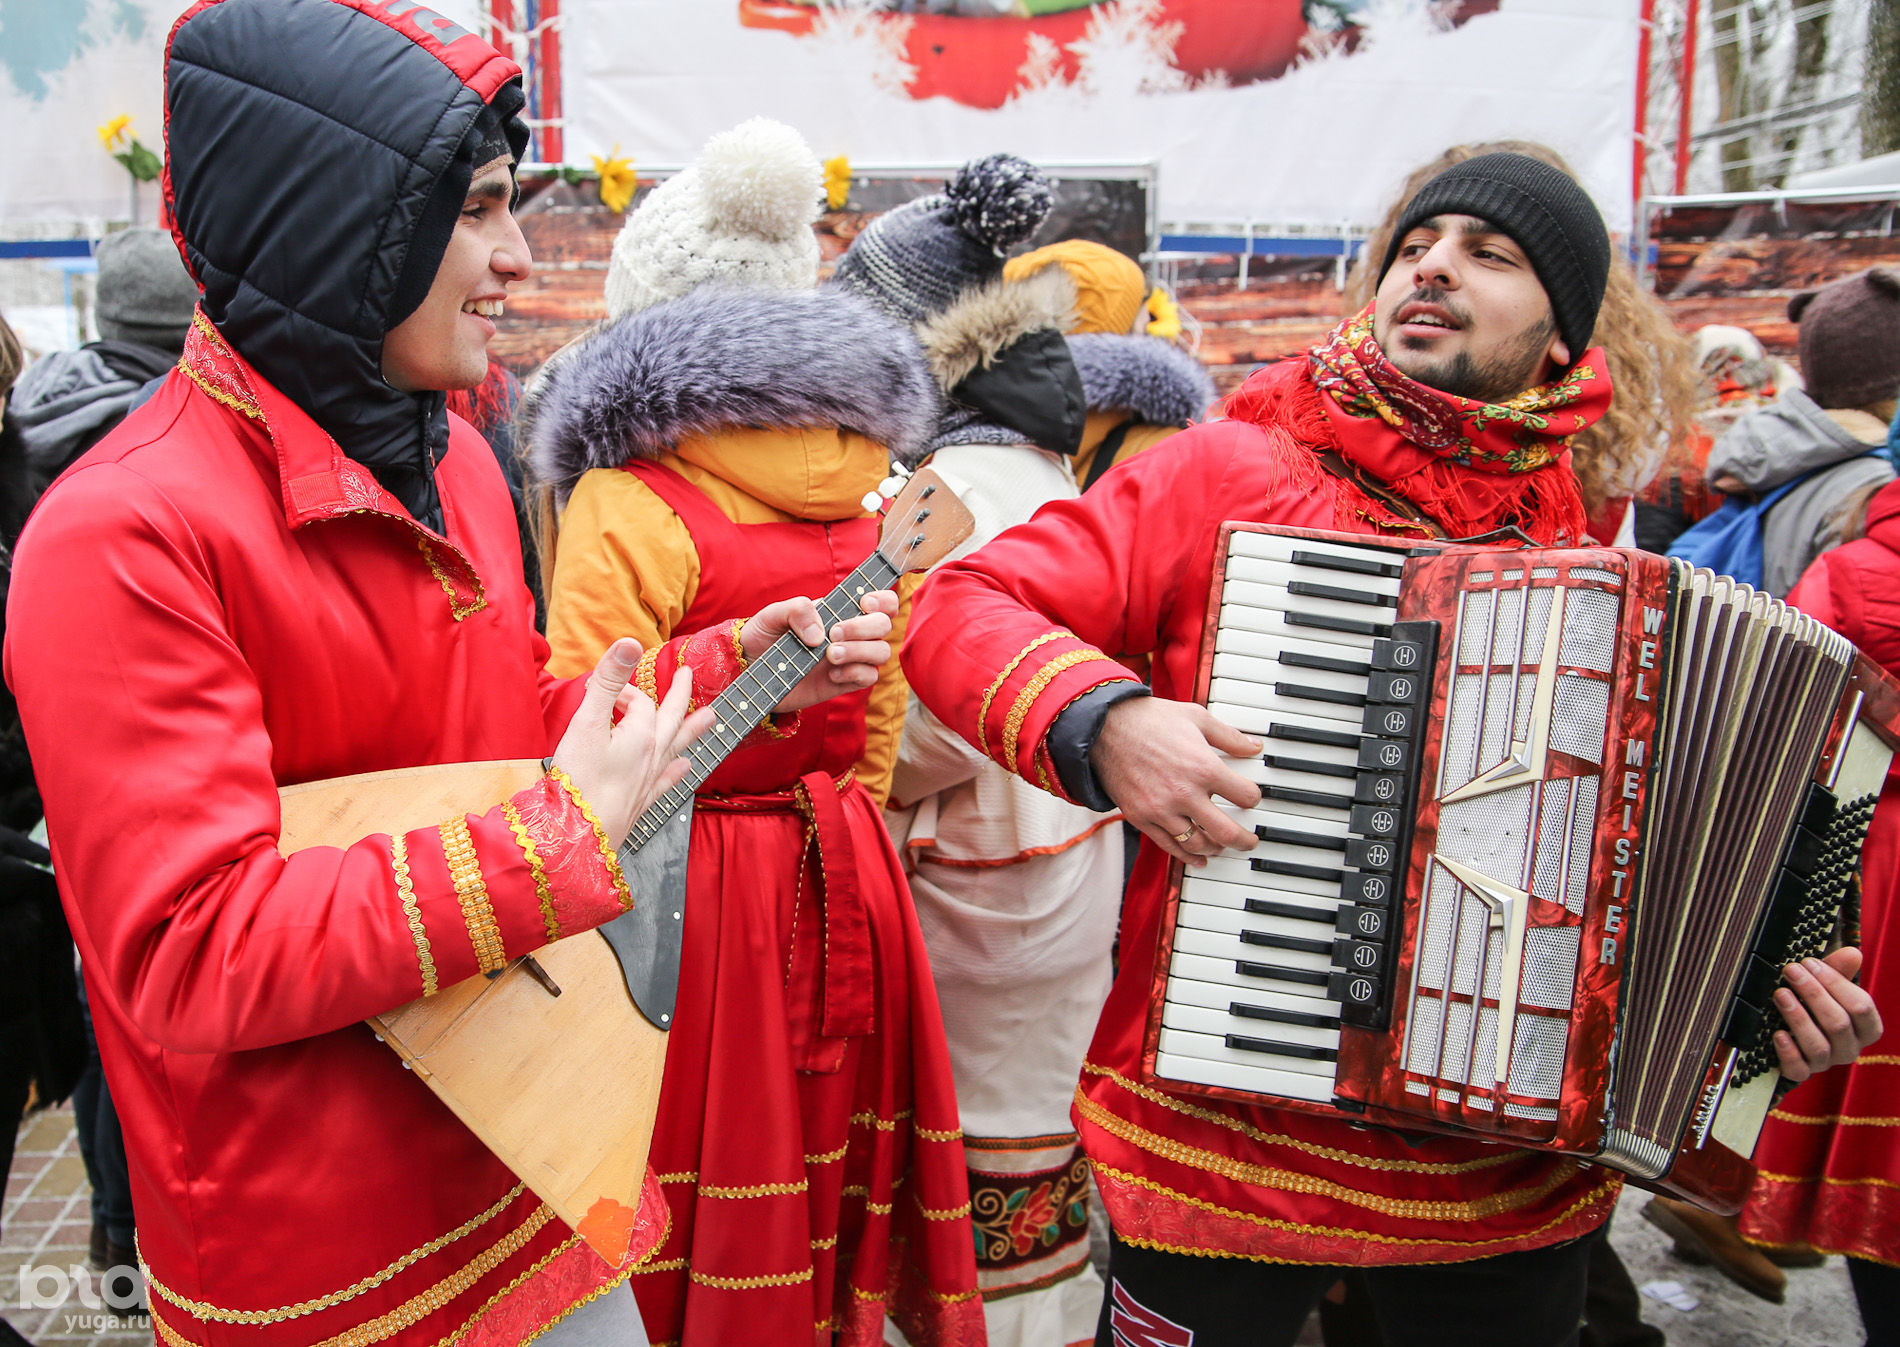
873	501
890	486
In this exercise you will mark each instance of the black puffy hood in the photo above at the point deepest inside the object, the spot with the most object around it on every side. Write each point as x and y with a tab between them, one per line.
317	156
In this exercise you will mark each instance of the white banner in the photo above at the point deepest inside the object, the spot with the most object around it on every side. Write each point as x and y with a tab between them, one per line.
1202	87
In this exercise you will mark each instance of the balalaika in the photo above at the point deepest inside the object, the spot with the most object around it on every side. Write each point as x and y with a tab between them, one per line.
1538	831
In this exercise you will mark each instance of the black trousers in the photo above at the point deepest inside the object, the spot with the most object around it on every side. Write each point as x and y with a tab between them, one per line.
1877	1288
1155	1299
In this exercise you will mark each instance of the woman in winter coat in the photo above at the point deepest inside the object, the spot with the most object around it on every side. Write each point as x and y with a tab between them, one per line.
1828	1163
711	445
1017	890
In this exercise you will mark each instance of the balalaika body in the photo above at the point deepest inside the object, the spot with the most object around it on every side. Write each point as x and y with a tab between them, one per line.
1538	830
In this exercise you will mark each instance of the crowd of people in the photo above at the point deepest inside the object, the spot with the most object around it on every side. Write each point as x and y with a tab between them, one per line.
300	526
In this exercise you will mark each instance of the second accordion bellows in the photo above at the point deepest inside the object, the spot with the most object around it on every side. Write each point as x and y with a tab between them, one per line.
1539	830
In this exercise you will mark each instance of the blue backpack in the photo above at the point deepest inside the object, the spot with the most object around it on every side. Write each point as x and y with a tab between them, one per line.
1728	541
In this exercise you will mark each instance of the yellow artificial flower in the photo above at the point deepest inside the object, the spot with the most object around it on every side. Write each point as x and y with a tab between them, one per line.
837	181
112	134
1165	315
617	180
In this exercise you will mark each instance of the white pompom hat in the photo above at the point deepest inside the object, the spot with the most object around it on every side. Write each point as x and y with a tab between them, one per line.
740	214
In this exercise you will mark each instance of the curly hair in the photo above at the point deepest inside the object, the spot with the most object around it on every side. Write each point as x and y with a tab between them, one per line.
1659	387
12	358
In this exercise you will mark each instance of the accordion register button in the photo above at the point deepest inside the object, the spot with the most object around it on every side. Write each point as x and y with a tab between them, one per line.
1363	923
1382	755
1354	991
1375	820
1379	788
1364	854
1365	889
1359	956
1390	652
1392	721
1404	688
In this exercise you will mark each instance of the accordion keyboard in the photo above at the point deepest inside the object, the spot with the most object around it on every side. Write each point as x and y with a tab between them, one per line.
1275	948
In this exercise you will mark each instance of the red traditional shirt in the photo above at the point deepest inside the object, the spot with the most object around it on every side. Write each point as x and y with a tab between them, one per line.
1001	641
213	604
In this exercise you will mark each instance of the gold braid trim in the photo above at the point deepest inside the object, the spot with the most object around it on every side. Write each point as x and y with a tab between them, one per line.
478	914
983	710
1232	1124
457	609
828	1242
947	1214
600	835
757	1190
683	1176
419	1306
406	890
1287	1180
829	1157
750	1283
214	1314
670	1265
243	400
550	924
738	646
645	676
1033	689
1607	1188
868	1119
931	1134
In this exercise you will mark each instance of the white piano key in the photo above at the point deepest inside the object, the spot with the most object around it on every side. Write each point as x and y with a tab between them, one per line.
1221	972
1244	617
1250	1076
1202	888
1219	995
1256	595
1277	814
1300	808
1194	936
1215	1023
1280	547
1214	916
1268	672
1283	573
1235	692
1182	1043
1293	640
1234	869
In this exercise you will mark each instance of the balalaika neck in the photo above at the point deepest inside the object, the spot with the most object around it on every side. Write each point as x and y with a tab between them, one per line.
767	678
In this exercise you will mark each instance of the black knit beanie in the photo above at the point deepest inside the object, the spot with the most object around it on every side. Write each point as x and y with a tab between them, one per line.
1545	212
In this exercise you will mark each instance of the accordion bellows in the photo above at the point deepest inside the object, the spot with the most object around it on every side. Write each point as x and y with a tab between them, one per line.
1539	829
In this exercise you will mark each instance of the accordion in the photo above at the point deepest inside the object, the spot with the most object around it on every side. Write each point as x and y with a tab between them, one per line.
1538	831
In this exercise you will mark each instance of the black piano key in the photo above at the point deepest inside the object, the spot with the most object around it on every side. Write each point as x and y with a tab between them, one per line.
1344	771
1392	722
1340	594
1355	956
1300	1017
1305	976
1362	923
1364	889
1345	625
1375	820
1404	688
1289	838
1379	788
1383	755
1319	799
1334	696
1371	854
1386	570
1305	734
1295	659
1268	907
1298	944
1293	870
1306	1050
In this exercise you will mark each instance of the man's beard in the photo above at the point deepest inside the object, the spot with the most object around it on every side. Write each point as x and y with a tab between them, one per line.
1506	374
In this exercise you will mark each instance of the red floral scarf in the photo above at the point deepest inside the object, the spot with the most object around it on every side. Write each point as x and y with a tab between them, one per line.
1471	466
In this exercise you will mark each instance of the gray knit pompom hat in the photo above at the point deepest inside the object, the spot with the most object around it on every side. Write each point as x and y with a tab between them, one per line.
916	260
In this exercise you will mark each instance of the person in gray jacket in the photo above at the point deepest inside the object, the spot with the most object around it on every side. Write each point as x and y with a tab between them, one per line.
1832	434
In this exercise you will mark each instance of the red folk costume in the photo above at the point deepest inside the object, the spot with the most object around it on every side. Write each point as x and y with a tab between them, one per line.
808	1140
1002	641
1828	1163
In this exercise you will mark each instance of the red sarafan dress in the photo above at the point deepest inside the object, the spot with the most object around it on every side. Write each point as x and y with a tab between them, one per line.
808	1141
1828	1163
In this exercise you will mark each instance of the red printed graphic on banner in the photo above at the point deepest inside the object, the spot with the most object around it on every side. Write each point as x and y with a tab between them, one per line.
1135	1325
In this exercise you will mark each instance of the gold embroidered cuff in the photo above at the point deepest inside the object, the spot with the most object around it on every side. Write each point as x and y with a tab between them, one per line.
983	711
1025	699
406	890
607	853
458	849
550	924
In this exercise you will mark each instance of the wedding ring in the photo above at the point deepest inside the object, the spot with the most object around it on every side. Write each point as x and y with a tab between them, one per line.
1183	837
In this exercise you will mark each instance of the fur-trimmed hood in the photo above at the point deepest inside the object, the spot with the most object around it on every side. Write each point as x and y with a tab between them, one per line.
1154	379
971	332
723	358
